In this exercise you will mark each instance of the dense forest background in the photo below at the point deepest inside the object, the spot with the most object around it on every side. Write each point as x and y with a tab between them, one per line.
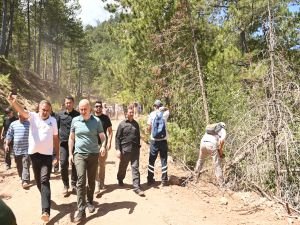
216	60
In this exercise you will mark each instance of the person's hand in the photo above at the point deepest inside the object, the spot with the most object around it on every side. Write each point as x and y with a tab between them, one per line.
108	146
102	151
6	148
118	154
11	98
54	161
71	159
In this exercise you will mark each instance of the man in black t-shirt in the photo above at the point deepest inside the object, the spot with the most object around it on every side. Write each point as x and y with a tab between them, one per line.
6	122
64	120
107	126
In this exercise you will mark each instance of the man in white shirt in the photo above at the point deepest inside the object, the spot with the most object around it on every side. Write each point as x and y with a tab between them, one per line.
43	138
159	143
212	145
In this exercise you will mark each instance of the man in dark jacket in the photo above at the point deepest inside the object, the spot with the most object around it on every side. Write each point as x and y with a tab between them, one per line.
64	120
128	150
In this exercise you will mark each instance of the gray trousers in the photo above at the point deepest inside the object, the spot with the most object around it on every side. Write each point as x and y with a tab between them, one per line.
210	149
133	158
86	166
23	165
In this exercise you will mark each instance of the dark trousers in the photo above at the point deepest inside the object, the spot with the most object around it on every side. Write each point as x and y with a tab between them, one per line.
160	147
7	155
64	166
42	166
86	165
133	158
23	165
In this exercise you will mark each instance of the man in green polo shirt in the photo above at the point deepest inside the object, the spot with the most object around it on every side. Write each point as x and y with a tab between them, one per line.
85	130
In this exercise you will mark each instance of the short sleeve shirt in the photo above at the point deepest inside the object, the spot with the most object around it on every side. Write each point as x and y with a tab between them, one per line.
86	134
18	132
41	134
106	123
151	118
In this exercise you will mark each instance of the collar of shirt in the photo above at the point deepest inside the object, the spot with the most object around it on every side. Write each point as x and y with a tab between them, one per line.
83	120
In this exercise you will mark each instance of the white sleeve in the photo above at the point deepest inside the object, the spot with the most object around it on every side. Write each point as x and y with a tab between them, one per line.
222	134
166	115
149	121
55	130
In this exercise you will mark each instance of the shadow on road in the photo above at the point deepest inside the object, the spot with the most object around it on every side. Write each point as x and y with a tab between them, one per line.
101	210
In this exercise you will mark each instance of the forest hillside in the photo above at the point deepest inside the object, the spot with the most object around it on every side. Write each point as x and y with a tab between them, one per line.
207	60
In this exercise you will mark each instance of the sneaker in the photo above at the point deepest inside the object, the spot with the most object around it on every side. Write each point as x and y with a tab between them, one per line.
79	217
25	184
90	207
120	183
150	182
139	192
65	191
45	216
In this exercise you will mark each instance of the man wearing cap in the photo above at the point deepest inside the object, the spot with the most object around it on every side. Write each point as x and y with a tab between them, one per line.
7	121
212	145
158	145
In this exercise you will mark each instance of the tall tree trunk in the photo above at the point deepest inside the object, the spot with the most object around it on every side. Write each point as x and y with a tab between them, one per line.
45	73
28	35
71	70
198	64
4	28
35	40
38	66
9	39
273	106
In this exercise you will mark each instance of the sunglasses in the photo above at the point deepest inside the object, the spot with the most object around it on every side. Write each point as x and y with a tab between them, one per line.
98	106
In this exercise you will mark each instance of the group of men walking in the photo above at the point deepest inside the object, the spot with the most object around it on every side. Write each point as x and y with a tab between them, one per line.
80	140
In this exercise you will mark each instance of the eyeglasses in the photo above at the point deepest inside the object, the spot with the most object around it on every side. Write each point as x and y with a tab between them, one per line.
98	106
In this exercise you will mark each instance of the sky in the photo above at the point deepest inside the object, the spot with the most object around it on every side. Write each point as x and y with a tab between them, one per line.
93	11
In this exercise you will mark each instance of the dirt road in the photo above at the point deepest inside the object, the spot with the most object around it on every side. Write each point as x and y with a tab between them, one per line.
173	205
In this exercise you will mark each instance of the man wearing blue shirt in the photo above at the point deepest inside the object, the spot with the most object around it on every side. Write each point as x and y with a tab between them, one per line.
18	131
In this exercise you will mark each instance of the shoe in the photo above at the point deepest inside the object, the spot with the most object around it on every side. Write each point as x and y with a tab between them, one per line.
121	183
25	184
139	192
79	217
8	167
90	207
150	182
164	183
45	216
65	191
74	189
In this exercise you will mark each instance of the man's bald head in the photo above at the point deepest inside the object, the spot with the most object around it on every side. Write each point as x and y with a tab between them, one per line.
85	108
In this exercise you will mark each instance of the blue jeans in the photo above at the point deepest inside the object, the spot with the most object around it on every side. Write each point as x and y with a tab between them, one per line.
160	147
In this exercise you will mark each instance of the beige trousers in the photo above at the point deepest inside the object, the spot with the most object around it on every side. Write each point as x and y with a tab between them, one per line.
210	149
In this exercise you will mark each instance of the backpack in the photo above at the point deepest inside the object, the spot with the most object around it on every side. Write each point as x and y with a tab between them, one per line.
159	126
213	129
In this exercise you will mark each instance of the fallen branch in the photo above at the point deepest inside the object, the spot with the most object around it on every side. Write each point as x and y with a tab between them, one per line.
285	205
